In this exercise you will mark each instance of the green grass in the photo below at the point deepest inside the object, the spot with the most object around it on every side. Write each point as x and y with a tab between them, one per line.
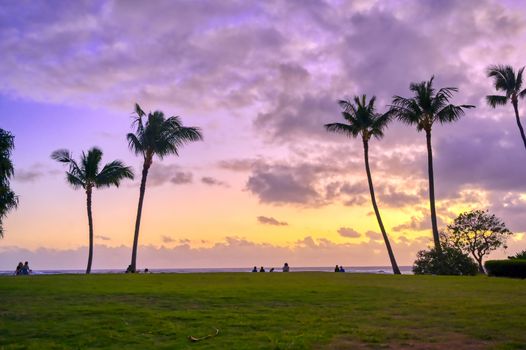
262	311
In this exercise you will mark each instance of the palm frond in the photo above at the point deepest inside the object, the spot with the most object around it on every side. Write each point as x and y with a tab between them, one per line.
522	93
496	100
451	113
135	144
343	129
75	180
113	173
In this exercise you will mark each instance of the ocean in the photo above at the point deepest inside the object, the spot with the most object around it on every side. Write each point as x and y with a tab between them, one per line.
406	270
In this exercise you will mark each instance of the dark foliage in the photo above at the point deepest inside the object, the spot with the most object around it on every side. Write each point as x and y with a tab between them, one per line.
506	268
519	255
452	261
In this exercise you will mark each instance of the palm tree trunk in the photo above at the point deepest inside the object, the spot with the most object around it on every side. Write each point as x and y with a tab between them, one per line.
431	177
90	225
516	108
396	270
145	169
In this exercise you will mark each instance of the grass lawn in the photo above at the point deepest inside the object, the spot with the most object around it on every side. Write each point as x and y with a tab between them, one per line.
262	311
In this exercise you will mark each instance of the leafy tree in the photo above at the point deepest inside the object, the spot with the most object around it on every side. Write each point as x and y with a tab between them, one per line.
425	108
86	175
477	233
8	199
519	255
157	136
363	121
505	80
450	261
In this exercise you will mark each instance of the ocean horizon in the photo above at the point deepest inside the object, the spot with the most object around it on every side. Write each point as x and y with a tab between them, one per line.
406	270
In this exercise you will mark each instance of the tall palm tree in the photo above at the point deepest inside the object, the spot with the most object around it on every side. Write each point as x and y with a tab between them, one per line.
8	199
158	136
423	109
86	175
362	120
505	80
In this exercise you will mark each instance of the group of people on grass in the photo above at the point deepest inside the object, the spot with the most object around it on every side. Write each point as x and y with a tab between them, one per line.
339	269
285	268
22	269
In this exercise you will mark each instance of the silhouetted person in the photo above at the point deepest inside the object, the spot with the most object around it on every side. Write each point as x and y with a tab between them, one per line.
146	271
271	270
262	269
337	269
286	267
255	269
130	269
19	267
342	269
25	269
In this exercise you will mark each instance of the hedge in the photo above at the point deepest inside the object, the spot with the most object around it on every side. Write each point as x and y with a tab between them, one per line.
506	268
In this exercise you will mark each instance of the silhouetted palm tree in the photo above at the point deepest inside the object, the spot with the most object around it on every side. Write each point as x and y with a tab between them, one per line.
86	175
505	80
8	199
157	136
426	107
362	120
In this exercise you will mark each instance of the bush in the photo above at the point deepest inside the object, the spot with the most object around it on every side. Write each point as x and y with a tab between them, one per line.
506	268
519	255
452	262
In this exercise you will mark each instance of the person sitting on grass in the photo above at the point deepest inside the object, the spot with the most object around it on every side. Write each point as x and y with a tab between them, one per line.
286	267
262	269
337	269
25	270
342	269
129	269
271	270
19	267
255	269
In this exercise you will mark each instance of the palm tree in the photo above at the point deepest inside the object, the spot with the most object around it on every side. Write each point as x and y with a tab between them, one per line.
87	176
156	136
362	120
8	199
505	80
426	107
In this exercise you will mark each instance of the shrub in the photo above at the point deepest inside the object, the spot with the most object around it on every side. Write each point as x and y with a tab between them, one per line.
506	268
452	262
519	255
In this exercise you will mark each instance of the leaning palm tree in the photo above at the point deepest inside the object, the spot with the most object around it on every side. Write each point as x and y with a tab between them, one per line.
505	80
362	120
86	175
423	109
158	136
8	199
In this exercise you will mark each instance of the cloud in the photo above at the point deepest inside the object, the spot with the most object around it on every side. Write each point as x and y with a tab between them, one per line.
167	239
28	175
271	221
348	232
161	174
103	238
210	181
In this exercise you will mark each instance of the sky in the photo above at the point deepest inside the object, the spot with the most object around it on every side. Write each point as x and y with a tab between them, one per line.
268	184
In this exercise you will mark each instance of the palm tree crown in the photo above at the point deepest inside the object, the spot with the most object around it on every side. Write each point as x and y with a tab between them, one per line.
505	80
8	199
86	175
427	106
159	135
361	118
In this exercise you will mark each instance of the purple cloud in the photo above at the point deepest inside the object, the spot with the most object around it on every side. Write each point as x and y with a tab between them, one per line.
271	221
